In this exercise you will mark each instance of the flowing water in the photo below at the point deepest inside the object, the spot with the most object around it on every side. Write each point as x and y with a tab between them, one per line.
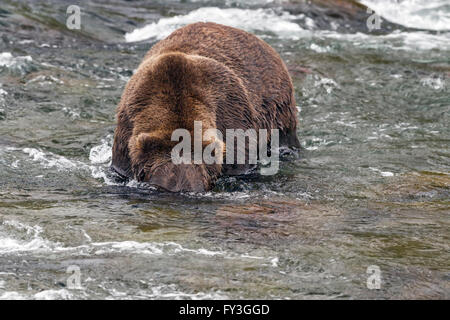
369	188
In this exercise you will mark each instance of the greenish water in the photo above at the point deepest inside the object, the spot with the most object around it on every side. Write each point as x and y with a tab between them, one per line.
371	186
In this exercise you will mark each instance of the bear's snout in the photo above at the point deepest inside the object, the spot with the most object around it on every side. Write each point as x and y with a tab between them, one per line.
177	178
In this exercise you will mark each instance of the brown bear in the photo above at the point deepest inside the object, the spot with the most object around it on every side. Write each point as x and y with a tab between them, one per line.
222	76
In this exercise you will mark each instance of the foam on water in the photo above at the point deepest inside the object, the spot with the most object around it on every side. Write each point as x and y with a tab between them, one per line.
434	83
315	143
9	61
319	49
382	173
284	25
45	80
101	153
326	83
99	156
17	238
29	240
161	248
396	40
51	294
2	92
172	292
264	20
62	294
12	295
50	160
421	14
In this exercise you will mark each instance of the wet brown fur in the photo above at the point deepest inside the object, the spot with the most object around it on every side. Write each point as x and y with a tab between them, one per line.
222	76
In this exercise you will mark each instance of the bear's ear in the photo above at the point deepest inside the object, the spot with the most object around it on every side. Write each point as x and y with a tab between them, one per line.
142	143
146	143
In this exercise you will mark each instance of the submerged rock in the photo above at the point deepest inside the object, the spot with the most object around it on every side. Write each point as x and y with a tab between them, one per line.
344	16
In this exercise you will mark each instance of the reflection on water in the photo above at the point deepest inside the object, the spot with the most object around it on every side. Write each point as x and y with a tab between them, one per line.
370	187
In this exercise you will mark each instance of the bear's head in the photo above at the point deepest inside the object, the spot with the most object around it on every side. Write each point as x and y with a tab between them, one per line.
156	160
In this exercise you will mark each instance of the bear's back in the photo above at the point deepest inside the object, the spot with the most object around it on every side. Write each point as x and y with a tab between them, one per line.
258	65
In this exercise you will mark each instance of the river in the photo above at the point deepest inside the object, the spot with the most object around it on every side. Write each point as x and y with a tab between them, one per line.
368	191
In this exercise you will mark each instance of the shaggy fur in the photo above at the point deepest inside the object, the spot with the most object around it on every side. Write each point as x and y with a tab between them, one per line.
222	76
